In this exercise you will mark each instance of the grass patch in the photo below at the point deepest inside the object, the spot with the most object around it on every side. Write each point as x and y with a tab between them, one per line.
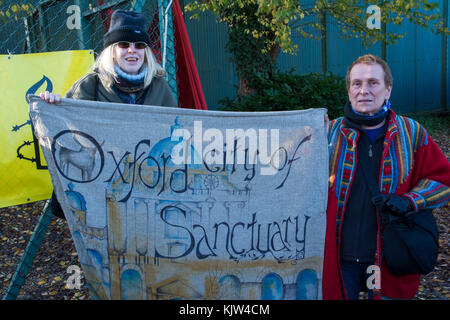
434	122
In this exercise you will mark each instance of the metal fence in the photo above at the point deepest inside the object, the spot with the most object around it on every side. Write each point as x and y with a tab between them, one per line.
56	25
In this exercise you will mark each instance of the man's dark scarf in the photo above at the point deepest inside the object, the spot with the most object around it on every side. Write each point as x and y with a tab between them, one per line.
353	117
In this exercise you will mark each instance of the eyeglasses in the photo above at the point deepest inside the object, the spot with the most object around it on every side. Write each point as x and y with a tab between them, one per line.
126	45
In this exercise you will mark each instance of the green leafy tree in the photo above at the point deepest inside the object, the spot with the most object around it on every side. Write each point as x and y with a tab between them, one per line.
9	11
259	29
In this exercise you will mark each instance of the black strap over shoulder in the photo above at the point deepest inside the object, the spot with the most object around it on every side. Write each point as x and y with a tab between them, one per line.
411	242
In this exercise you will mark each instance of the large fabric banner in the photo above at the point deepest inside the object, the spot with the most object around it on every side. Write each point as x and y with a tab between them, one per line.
168	203
23	170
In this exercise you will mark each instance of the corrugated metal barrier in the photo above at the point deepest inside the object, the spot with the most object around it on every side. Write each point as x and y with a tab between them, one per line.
419	61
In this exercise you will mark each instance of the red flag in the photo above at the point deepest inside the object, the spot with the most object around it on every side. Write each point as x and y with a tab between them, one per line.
190	92
105	14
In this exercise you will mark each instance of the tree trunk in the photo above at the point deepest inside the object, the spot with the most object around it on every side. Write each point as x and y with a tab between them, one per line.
244	89
274	52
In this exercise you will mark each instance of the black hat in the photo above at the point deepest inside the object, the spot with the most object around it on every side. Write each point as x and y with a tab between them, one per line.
126	26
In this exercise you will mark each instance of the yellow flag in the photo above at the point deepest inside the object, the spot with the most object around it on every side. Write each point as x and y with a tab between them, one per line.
23	172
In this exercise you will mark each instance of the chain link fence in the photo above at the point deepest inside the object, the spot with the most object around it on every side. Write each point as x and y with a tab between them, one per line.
56	25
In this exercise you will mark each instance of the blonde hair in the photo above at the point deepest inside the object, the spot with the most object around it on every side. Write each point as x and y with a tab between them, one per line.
104	65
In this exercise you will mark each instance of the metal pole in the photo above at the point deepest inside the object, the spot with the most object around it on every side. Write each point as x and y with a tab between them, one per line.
168	44
84	34
165	34
42	27
27	34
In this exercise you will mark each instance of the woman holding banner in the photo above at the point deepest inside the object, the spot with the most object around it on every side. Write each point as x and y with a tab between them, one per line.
126	71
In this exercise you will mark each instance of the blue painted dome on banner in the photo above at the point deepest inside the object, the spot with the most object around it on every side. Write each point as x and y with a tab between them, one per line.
166	146
76	199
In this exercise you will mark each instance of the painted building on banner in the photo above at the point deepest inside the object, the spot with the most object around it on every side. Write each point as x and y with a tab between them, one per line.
148	233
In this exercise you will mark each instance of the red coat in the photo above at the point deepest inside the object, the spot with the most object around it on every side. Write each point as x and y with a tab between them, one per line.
412	166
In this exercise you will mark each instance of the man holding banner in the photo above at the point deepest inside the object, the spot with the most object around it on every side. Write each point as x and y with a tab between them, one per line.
126	71
413	174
